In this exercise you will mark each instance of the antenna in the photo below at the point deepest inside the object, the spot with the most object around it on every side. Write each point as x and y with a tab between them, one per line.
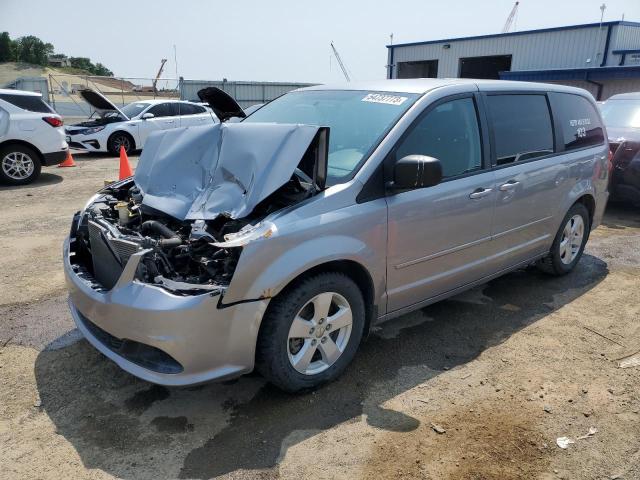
595	55
344	69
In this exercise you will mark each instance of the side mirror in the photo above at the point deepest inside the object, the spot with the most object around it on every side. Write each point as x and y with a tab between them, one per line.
147	116
416	171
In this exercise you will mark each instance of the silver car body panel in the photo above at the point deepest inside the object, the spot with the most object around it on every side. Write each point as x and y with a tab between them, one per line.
202	172
417	247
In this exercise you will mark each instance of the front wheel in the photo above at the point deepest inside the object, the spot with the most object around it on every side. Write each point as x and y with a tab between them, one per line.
311	332
569	242
120	139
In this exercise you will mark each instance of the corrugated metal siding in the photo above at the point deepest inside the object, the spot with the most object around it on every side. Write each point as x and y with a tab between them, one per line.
245	93
557	49
624	37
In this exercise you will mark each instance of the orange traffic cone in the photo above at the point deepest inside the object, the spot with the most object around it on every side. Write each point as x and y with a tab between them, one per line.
125	167
68	162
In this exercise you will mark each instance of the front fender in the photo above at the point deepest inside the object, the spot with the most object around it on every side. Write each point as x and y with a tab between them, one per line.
266	267
304	257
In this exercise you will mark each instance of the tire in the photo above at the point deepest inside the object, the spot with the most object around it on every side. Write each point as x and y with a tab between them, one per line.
561	261
19	164
120	138
277	351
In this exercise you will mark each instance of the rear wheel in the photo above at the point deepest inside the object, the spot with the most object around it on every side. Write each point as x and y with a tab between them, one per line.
569	242
120	139
19	164
311	332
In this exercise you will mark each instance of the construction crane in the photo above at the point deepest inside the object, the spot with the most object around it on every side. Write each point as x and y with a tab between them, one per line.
511	18
344	69
155	80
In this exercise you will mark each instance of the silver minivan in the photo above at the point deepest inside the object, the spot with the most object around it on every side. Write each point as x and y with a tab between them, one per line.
278	241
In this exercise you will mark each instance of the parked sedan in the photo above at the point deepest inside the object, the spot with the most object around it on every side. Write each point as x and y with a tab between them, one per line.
621	114
130	125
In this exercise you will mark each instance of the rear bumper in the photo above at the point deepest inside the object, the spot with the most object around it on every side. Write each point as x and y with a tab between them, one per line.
161	337
54	158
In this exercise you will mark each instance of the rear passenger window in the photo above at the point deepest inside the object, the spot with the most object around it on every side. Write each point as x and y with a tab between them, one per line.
183	108
449	133
32	103
579	120
522	127
162	110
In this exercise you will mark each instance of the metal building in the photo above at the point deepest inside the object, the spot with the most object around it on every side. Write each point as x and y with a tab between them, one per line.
603	58
245	93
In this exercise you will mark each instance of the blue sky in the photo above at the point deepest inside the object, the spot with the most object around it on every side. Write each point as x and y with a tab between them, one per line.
276	40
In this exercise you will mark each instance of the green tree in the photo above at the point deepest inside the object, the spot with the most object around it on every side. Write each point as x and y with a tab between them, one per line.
100	69
7	48
31	49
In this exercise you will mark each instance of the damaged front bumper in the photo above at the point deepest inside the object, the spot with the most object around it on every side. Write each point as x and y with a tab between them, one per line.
162	337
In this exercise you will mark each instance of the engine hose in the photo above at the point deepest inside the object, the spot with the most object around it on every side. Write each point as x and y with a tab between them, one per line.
171	238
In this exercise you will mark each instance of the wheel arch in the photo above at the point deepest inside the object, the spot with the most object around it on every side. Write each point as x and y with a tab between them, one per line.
352	269
24	144
124	132
590	204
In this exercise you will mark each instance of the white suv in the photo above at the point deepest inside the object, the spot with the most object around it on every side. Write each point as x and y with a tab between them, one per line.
130	125
31	135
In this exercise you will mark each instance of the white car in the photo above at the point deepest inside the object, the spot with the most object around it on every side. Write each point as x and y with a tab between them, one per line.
130	125
31	136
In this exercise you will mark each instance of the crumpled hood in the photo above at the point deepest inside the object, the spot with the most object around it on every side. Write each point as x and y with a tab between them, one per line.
223	169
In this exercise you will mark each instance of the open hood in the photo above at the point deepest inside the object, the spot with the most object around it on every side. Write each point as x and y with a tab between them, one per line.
199	173
99	102
222	104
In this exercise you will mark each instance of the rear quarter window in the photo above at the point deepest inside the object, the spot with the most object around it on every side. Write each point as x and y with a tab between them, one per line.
30	103
579	121
521	126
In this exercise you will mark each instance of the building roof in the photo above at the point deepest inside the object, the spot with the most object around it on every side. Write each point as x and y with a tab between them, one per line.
588	73
523	32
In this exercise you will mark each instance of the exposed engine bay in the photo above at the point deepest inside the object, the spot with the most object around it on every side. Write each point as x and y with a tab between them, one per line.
197	198
186	257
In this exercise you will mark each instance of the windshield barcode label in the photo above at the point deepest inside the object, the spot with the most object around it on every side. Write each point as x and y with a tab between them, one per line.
386	99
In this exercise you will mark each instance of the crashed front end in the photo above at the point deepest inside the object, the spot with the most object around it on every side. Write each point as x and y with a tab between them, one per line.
148	261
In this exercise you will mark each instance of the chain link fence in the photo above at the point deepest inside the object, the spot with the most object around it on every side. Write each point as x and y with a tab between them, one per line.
64	97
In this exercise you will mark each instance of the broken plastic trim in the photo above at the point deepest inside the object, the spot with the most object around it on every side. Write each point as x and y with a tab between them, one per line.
187	287
247	234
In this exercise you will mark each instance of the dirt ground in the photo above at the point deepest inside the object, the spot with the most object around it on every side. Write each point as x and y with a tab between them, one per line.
502	371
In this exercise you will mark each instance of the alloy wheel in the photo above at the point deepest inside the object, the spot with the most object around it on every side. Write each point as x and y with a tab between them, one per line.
319	333
18	165
121	141
571	241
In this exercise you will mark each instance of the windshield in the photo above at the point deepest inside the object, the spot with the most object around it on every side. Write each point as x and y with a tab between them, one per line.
357	120
621	113
134	109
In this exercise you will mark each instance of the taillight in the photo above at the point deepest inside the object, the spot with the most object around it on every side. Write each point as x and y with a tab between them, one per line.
53	121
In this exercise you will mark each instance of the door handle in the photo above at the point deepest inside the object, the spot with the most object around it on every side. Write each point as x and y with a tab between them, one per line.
480	192
510	185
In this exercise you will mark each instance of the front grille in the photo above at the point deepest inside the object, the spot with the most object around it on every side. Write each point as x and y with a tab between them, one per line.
141	354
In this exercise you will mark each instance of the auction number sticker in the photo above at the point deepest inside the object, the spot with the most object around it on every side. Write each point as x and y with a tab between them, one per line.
384	98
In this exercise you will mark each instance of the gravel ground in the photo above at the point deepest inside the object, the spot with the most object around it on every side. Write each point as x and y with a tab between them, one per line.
502	371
